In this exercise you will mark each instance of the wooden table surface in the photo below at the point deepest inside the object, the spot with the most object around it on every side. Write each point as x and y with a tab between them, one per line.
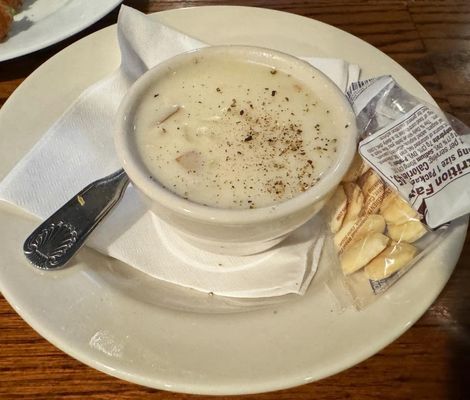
431	39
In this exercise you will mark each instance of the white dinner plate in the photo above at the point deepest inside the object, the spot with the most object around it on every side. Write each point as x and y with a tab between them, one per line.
41	23
126	324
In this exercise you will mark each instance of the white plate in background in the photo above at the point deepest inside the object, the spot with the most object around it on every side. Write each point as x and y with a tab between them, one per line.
41	23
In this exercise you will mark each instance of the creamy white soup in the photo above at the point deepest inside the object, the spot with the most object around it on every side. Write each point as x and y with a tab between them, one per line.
229	133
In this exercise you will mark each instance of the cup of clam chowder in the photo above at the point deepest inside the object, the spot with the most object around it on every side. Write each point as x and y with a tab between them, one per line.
235	146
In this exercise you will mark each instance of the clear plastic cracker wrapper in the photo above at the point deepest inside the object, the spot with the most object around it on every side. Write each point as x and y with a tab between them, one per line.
409	179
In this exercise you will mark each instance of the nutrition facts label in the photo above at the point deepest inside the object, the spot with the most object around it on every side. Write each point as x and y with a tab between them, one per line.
420	155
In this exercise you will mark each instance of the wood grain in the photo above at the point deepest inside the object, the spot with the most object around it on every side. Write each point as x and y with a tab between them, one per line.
431	39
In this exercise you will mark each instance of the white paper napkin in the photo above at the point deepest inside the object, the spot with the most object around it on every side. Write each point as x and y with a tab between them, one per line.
79	148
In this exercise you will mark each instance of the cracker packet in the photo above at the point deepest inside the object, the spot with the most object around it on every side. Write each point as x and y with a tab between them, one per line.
409	179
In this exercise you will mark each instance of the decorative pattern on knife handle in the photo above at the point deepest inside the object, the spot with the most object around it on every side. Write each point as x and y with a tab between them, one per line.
54	242
48	247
